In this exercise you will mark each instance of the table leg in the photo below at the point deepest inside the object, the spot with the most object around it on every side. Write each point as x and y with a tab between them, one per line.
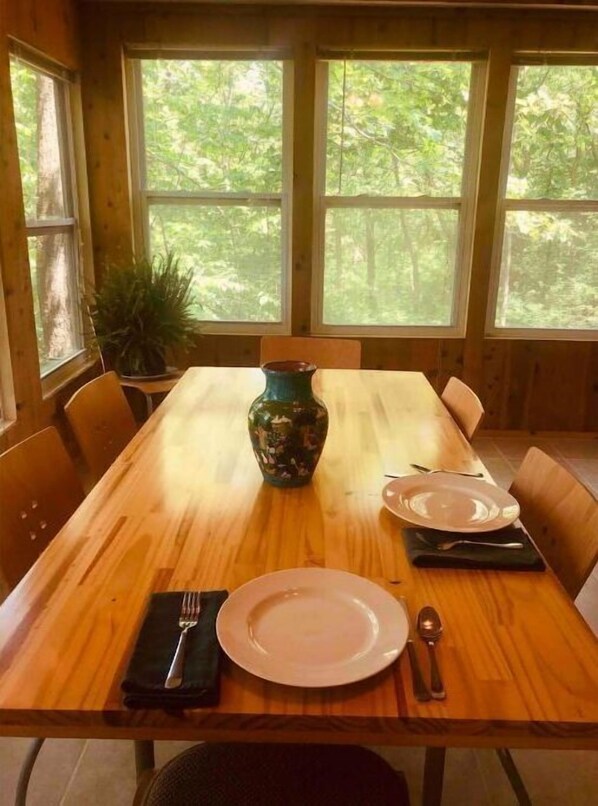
144	758
433	776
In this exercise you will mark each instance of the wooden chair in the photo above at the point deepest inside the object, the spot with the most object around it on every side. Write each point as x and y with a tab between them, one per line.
102	421
325	353
561	516
464	405
260	774
39	491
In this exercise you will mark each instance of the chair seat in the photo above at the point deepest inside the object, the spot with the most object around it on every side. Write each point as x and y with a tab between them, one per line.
277	774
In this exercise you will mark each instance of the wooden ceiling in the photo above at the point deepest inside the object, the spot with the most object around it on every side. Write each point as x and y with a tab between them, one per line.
587	5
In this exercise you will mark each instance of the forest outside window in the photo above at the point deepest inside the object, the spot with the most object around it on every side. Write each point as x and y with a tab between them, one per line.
397	180
42	118
212	165
546	252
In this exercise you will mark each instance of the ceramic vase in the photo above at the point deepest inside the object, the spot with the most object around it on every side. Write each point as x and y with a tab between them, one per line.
288	424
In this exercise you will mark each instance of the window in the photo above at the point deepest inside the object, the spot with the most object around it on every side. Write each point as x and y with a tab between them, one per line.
213	173
397	176
546	252
42	116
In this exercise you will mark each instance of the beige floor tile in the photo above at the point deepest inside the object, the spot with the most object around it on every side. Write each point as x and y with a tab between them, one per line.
559	777
577	447
486	448
105	775
52	772
501	470
517	447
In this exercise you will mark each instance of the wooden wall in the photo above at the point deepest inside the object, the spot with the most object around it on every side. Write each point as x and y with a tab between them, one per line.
529	385
50	26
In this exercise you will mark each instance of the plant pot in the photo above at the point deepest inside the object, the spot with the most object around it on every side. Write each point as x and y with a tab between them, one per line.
288	424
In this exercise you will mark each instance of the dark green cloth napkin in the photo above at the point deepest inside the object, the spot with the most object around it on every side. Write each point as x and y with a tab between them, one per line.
424	555
143	684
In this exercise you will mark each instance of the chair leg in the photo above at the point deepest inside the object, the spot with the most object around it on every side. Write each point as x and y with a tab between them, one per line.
144	758
26	770
433	776
515	779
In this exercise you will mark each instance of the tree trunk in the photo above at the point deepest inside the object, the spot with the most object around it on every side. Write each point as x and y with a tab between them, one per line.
52	260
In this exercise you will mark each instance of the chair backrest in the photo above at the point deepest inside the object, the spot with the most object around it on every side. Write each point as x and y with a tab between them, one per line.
325	353
102	421
39	491
561	515
464	405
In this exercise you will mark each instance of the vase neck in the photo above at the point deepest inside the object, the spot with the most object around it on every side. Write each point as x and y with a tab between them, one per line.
288	381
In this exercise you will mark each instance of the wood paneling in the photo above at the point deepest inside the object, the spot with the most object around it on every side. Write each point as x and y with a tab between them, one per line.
50	26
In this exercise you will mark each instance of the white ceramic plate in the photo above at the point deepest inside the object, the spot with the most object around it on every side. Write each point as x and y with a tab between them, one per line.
450	503
312	627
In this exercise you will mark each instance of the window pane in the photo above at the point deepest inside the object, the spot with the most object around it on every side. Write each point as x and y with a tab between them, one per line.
549	271
36	99
555	134
236	253
213	125
389	267
56	298
396	128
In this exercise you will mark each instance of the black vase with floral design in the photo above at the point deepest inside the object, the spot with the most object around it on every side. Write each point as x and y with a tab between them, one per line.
288	424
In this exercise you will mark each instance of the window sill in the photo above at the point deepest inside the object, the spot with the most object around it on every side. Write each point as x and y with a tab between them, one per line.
67	373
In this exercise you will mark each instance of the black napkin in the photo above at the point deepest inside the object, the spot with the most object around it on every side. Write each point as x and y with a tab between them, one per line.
143	685
423	554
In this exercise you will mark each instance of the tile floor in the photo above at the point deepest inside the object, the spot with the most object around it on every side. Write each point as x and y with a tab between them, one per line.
73	772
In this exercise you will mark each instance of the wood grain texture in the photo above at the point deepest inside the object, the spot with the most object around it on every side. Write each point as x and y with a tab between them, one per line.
325	353
464	405
39	491
561	515
184	506
102	421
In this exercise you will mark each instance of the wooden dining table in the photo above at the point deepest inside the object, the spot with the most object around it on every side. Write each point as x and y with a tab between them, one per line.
185	507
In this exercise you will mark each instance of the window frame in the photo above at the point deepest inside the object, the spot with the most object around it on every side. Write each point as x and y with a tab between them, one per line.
465	204
506	204
75	193
143	197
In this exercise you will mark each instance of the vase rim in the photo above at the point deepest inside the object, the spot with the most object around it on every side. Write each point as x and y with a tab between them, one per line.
289	367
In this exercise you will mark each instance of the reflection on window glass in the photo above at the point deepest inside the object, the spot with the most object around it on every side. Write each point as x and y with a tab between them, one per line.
41	122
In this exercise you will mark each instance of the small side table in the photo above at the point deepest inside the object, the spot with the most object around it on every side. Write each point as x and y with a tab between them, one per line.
155	386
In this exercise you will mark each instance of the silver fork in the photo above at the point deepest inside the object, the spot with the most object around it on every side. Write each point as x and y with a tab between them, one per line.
447	545
189	617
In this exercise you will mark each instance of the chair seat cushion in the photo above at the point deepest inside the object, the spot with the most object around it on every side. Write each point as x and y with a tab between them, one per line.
273	774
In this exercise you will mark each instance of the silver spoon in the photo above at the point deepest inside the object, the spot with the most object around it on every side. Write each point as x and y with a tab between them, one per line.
446	545
424	469
429	628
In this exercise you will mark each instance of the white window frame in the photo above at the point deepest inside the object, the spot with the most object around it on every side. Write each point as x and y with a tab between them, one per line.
75	192
464	204
506	205
143	197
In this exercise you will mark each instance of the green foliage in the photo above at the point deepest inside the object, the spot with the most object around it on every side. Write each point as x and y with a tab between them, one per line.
141	309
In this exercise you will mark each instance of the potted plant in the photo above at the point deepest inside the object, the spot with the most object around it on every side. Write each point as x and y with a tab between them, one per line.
141	309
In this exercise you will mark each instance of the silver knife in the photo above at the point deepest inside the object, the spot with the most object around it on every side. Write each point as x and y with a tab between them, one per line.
420	689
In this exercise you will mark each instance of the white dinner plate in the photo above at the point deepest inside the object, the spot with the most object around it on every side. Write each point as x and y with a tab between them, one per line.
312	627
450	503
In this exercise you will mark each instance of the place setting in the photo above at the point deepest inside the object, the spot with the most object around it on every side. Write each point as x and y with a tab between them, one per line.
459	520
300	627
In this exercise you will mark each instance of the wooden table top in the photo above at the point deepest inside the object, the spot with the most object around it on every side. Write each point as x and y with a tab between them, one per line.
185	507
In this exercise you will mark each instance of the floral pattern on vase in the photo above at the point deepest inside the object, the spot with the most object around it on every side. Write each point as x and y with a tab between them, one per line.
288	424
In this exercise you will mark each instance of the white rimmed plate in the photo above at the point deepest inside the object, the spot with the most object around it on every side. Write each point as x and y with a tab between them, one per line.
312	627
450	503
